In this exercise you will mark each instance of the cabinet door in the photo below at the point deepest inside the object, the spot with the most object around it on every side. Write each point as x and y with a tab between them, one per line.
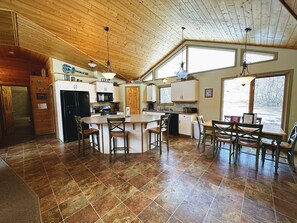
176	92
190	90
151	93
116	94
93	93
104	87
185	125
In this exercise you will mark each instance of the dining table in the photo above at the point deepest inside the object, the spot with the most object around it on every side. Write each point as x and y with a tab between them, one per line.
269	132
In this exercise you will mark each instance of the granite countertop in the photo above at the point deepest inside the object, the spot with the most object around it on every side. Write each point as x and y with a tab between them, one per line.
170	112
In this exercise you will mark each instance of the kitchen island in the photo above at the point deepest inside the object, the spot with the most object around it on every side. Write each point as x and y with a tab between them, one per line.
137	125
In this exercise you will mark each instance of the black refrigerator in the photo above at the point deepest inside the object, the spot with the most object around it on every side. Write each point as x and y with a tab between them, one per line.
73	103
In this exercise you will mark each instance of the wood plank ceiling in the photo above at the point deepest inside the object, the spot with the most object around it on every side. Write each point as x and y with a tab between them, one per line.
142	32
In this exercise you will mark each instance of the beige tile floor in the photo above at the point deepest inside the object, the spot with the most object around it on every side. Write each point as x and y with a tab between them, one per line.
184	185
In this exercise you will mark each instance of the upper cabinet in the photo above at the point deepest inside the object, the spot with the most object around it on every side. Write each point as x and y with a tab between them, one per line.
104	87
151	93
116	94
184	91
72	86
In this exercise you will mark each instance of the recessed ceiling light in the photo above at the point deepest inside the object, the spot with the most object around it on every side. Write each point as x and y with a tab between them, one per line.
11	52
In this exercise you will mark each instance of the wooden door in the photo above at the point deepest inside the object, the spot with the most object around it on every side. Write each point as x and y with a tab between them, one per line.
8	121
132	100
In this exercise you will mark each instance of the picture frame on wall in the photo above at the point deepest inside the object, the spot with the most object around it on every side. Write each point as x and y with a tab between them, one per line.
208	93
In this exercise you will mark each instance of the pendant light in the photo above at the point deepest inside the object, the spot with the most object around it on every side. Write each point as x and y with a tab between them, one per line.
182	73
108	74
245	77
92	64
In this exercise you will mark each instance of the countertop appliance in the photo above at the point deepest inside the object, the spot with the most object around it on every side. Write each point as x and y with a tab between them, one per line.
73	103
190	110
104	110
104	97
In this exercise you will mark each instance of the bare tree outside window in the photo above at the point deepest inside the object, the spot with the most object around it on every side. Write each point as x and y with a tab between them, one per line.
165	95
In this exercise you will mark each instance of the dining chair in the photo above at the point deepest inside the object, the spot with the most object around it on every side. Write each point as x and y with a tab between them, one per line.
248	135
117	129
158	132
223	132
83	132
288	147
203	133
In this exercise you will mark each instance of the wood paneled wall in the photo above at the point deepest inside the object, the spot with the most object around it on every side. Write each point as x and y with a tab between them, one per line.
15	71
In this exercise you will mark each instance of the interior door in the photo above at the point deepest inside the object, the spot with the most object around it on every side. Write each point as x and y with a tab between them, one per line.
8	121
132	100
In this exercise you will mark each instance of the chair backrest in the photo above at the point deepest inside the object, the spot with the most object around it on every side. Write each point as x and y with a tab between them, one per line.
165	122
249	118
78	124
116	124
249	133
293	136
222	129
200	121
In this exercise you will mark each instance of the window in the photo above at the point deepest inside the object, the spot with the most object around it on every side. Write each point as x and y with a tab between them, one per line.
170	67
203	58
267	99
165	95
148	77
255	57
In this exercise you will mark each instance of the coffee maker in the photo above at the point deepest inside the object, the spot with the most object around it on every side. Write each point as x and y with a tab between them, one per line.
150	106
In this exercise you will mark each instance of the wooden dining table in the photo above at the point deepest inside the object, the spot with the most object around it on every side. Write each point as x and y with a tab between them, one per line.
270	132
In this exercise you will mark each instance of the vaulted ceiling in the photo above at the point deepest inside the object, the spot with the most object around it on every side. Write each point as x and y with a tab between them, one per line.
142	32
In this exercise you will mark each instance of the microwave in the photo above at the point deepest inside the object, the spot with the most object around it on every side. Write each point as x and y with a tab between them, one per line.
104	97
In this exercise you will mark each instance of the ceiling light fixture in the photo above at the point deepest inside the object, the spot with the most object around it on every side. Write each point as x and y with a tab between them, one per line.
245	77
92	64
182	73
108	74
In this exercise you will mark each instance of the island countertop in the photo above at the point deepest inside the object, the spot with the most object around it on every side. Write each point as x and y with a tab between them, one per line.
132	119
136	125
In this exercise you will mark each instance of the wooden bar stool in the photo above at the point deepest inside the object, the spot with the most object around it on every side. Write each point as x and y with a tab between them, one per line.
117	129
83	132
158	131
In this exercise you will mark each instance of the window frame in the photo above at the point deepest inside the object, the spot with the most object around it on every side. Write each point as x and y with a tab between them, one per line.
258	51
287	94
213	47
168	58
159	94
148	73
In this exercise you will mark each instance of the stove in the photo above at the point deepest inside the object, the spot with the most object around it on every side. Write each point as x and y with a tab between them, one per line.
104	110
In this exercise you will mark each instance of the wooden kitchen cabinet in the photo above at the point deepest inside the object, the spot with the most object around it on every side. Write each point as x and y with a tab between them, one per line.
184	91
185	124
104	87
151	93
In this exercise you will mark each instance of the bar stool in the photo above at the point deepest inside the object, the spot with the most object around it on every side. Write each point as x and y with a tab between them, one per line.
116	128
157	131
83	132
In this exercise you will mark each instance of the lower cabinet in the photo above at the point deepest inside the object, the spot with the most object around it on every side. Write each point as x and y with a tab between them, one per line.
185	126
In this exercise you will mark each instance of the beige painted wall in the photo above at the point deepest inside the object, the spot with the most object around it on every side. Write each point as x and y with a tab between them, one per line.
211	107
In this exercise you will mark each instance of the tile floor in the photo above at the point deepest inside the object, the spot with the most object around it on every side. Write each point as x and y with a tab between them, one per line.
184	185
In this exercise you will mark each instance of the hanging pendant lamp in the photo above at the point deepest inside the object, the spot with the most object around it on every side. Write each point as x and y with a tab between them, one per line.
182	73
109	74
245	77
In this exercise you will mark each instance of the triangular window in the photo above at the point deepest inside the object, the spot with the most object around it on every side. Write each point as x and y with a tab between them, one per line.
256	56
